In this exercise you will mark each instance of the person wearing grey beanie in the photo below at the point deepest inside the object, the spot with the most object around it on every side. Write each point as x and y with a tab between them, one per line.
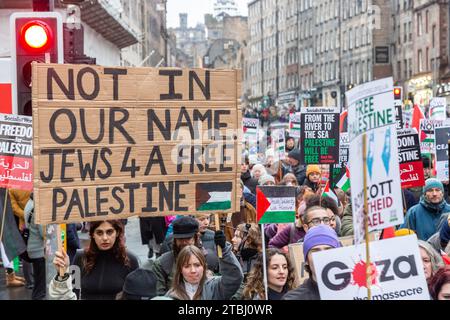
266	180
424	217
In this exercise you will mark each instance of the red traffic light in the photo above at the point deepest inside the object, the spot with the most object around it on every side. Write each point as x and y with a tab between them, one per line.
35	35
397	93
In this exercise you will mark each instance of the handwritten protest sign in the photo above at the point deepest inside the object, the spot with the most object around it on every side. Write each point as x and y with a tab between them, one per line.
319	135
16	152
410	159
115	142
396	271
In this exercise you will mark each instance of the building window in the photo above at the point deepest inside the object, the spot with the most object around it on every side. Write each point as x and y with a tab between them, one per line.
399	69
410	67
410	31
350	39
404	32
433	35
357	72
420	60
419	24
405	63
427	17
427	57
356	37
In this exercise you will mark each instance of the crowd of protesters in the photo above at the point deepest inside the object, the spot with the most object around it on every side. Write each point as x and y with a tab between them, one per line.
197	260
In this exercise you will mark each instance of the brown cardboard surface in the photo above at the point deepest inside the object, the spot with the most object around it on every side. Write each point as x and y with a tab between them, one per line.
82	115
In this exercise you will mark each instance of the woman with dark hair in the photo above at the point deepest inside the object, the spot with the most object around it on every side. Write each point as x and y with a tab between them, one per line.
440	284
190	280
104	265
280	277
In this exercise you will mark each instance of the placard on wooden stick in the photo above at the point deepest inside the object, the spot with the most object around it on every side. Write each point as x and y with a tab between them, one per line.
110	143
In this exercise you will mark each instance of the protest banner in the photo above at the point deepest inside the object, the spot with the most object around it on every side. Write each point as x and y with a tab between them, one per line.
407	117
410	159
426	135
110	143
384	198
275	204
297	257
16	152
442	136
319	135
399	117
294	125
250	128
438	108
278	144
396	271
371	112
339	169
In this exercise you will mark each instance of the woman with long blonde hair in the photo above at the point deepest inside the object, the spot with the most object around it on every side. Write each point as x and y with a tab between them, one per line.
190	278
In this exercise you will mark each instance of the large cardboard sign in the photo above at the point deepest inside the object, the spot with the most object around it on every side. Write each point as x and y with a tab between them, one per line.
114	142
442	136
16	152
319	135
410	159
397	271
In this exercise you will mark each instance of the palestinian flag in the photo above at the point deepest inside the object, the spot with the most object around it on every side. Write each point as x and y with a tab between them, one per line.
213	196
344	182
417	115
327	192
275	204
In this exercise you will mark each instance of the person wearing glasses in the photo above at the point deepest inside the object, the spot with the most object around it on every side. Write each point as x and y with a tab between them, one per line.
319	237
104	265
332	209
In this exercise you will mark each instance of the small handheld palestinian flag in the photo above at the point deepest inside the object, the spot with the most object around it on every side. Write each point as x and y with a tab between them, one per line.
213	196
327	192
275	204
344	182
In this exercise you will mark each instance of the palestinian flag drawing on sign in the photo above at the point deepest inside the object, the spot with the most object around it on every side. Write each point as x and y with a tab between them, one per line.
275	204
213	196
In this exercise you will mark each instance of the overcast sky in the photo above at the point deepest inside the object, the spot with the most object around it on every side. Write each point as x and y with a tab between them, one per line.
195	10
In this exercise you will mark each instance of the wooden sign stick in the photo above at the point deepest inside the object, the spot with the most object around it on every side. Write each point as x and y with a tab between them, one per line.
217	224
